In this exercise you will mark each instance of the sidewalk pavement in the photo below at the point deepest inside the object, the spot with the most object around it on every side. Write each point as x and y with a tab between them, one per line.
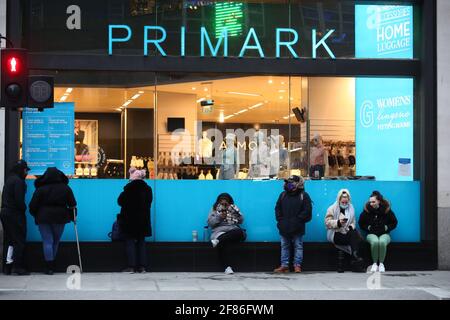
428	285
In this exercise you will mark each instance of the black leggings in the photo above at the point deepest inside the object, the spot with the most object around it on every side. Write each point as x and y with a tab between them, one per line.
226	244
352	238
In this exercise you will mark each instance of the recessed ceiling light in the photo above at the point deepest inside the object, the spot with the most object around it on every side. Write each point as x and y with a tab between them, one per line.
241	111
281	97
244	93
270	81
194	88
206	89
281	90
140	92
256	105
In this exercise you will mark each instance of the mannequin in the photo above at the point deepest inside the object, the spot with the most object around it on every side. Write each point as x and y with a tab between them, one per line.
229	168
205	146
278	155
259	157
318	157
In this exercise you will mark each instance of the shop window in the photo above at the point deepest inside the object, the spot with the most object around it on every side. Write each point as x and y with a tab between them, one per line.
234	127
112	126
219	126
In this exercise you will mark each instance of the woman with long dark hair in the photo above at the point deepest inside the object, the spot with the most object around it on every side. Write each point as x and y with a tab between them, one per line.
378	220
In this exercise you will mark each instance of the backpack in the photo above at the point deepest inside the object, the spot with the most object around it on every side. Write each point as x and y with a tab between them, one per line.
116	233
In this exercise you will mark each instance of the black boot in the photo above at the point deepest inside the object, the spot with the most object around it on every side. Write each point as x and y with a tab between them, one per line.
340	261
357	263
49	267
20	271
7	268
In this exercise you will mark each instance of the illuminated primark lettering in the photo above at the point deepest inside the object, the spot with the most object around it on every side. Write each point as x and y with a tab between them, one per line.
250	43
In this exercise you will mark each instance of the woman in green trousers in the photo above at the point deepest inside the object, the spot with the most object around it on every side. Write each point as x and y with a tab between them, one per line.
378	220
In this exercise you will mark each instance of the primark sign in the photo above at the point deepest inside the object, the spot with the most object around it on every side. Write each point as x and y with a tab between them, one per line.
218	46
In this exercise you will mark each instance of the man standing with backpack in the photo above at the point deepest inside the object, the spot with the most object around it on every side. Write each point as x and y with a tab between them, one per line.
292	211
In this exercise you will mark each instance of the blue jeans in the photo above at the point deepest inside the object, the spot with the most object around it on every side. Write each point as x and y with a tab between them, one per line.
51	234
136	252
286	243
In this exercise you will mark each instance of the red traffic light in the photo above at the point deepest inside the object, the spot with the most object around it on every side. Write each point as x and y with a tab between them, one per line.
13	64
14	77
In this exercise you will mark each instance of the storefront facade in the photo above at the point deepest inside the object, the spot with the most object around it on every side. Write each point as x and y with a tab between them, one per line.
162	85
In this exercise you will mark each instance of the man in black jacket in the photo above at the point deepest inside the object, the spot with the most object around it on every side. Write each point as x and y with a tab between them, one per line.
13	215
292	211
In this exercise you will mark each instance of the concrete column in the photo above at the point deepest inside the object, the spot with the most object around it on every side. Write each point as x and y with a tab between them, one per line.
2	128
2	111
443	105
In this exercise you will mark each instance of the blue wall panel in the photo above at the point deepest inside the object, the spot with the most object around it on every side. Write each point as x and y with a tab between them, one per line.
179	207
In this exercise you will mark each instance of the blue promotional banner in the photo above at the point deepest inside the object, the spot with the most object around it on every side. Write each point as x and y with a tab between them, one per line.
384	128
383	31
174	221
48	138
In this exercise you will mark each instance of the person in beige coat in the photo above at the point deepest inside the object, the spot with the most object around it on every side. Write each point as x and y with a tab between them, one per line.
341	227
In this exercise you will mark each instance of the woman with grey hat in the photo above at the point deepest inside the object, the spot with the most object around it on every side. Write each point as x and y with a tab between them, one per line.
292	211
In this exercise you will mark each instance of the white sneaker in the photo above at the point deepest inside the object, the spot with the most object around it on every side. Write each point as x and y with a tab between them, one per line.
381	268
374	268
214	242
228	270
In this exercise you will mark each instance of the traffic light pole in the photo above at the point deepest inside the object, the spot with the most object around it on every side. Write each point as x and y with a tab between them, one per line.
12	138
12	117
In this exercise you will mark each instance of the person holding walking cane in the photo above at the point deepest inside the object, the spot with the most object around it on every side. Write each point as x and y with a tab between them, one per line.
52	206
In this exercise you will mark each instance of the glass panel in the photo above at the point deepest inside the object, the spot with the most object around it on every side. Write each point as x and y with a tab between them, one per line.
222	127
114	121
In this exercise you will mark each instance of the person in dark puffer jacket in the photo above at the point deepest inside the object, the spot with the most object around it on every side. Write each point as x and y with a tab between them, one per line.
292	211
378	220
52	206
13	218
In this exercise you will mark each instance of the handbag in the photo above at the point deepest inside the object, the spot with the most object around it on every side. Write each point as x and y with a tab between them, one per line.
116	233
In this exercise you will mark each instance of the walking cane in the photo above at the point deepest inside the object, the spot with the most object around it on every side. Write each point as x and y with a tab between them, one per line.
76	235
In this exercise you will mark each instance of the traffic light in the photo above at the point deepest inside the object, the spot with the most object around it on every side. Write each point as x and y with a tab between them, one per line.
40	92
14	69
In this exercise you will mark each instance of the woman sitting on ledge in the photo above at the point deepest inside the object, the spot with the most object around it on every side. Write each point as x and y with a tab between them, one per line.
224	220
378	220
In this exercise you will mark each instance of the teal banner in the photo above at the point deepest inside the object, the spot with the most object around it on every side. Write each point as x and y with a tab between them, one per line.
384	128
182	206
383	31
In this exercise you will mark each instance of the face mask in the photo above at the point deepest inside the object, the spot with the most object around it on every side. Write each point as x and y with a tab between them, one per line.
343	206
290	186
